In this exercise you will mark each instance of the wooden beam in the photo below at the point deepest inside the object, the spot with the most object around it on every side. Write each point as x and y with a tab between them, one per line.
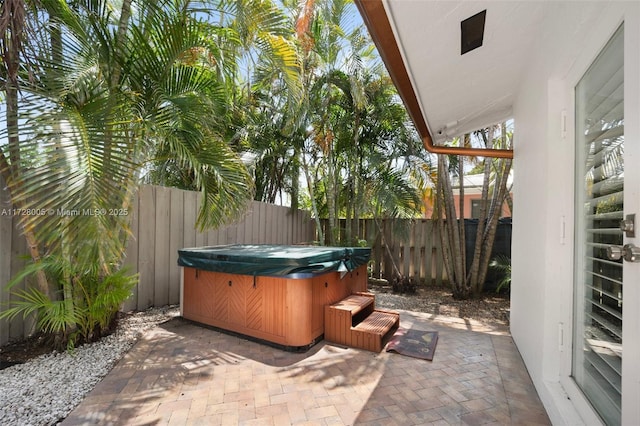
375	18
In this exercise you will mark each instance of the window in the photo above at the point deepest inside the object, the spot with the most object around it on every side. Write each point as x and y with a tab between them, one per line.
476	205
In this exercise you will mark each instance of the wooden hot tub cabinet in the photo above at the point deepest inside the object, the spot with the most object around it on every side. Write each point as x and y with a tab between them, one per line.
285	310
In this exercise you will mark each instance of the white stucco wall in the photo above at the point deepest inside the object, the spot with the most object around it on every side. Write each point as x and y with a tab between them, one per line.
573	33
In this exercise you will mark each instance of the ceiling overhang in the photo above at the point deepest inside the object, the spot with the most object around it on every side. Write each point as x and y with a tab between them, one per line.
446	93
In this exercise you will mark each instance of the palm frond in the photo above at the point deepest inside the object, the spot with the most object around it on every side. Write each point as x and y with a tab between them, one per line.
53	315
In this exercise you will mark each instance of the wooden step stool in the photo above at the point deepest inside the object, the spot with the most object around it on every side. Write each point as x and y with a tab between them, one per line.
355	322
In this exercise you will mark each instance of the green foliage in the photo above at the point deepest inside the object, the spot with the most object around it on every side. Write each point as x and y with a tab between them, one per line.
53	317
349	135
608	205
238	34
115	89
502	264
111	104
87	316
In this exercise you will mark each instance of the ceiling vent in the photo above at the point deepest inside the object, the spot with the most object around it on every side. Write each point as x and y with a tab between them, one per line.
472	32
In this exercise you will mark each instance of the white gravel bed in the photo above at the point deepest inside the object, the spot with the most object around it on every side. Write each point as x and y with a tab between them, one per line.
400	301
44	390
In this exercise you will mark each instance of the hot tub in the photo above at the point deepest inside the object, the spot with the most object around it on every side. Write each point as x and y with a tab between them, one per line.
269	292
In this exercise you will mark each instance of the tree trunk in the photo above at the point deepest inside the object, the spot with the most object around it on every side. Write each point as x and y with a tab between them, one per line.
450	235
12	32
463	252
359	193
475	283
331	196
295	179
509	200
114	79
351	232
348	234
463	283
356	211
492	226
314	204
34	251
442	231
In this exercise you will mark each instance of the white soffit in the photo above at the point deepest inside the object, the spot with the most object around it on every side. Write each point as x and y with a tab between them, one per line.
461	93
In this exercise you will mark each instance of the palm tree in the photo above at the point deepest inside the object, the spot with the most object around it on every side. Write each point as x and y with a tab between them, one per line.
129	85
256	40
469	282
354	129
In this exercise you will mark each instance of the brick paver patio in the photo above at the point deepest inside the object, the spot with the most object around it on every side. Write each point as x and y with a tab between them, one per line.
183	374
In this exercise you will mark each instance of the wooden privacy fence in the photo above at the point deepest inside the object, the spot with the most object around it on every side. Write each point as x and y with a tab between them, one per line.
13	248
163	221
414	244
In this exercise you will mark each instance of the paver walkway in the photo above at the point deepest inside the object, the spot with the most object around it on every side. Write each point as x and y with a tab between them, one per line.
183	374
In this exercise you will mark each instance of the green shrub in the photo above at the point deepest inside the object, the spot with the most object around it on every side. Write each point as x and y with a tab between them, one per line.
502	264
85	306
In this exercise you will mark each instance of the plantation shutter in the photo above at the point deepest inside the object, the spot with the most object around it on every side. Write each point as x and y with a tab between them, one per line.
600	189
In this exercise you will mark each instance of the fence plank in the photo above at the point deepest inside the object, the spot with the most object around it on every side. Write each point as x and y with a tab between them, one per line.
416	237
389	248
6	231
240	239
285	232
262	223
230	234
271	225
189	218
406	252
439	264
279	221
162	246
427	260
289	225
257	223
296	229
146	252
280	213
248	227
131	261
215	237
176	233
19	327
200	236
303	236
374	238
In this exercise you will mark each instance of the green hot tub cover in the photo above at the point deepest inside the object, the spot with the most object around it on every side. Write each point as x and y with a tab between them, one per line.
273	260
